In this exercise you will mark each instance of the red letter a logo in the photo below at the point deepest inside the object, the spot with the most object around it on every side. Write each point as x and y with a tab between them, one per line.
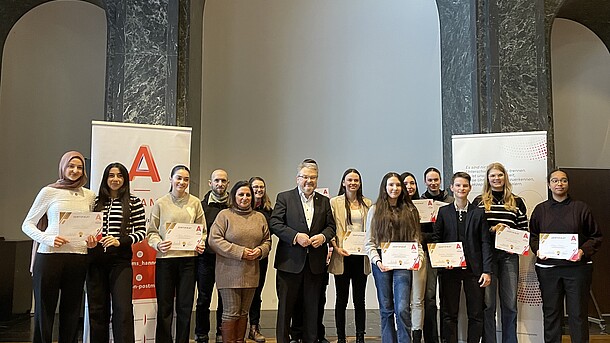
144	155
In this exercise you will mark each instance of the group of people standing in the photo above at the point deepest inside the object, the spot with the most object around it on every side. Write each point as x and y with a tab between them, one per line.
233	250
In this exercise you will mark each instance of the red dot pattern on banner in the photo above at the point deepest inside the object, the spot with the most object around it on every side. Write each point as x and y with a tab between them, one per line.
528	150
529	289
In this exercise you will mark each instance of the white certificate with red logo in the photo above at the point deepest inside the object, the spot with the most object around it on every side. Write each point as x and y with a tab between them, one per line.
513	240
353	242
400	255
77	226
443	255
183	236
561	246
428	209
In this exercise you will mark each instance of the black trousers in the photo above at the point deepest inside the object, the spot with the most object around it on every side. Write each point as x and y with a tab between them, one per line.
292	287
206	277
109	286
296	325
52	274
450	283
572	283
353	271
174	277
255	308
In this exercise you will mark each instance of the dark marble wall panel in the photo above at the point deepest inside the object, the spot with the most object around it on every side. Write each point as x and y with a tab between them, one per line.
144	94
458	72
146	26
183	48
115	60
142	61
520	44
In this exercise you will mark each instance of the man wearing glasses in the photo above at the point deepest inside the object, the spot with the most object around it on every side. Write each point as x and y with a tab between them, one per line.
303	221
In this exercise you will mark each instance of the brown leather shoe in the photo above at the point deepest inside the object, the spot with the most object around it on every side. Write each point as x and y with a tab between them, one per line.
255	334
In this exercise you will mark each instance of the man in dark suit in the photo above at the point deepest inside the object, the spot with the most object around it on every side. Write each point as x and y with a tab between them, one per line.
303	221
463	222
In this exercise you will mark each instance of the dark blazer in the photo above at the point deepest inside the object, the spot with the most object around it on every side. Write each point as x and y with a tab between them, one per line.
288	219
477	246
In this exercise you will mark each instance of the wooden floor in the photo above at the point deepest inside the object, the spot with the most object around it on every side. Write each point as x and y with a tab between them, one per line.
19	329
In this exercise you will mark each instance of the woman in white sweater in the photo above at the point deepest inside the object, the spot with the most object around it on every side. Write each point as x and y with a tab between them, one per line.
175	269
60	265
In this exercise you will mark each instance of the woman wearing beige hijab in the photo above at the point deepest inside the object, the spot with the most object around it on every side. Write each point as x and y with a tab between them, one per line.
60	265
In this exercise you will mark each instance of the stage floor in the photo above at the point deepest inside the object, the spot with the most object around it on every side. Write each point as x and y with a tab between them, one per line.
19	329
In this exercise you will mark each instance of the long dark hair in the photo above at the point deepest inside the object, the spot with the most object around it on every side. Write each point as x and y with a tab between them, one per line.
398	223
403	176
123	194
238	185
266	202
359	196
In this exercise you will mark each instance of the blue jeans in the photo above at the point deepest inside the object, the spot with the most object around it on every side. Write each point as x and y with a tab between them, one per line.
394	297
504	280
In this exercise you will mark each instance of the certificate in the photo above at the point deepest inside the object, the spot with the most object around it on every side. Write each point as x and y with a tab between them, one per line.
77	226
428	209
353	242
449	254
400	255
561	246
513	240
183	236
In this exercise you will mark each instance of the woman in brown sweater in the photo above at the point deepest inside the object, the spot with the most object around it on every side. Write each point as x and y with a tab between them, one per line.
240	237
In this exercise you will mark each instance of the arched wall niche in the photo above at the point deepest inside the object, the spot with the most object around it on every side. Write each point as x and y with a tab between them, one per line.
347	83
579	42
51	87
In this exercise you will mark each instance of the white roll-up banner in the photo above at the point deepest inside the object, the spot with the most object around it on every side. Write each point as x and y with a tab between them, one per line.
149	152
524	155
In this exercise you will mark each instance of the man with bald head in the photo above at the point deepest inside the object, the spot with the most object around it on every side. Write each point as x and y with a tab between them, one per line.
213	202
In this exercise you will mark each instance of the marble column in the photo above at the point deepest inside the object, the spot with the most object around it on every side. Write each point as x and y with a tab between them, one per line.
495	68
142	61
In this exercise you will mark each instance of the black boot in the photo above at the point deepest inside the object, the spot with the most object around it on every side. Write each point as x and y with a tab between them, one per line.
417	336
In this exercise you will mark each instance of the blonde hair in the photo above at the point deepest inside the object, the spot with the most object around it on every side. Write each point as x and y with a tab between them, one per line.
508	197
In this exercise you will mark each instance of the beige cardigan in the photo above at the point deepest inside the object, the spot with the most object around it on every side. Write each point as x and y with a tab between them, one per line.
337	205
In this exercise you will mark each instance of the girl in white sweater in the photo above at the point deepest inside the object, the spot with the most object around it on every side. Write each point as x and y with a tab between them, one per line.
60	265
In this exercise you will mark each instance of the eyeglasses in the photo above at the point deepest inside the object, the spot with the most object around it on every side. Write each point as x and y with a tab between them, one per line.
258	187
556	181
307	177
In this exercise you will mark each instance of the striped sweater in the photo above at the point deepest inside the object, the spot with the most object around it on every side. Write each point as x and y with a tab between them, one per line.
498	214
112	218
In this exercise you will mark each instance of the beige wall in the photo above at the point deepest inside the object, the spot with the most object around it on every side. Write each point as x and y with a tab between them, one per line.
350	83
52	86
581	96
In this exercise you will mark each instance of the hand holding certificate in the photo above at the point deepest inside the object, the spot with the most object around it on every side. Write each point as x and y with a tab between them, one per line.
444	255
183	236
77	226
400	255
353	243
561	246
513	240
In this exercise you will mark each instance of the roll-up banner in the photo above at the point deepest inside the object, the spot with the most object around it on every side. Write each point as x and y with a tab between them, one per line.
149	152
524	155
